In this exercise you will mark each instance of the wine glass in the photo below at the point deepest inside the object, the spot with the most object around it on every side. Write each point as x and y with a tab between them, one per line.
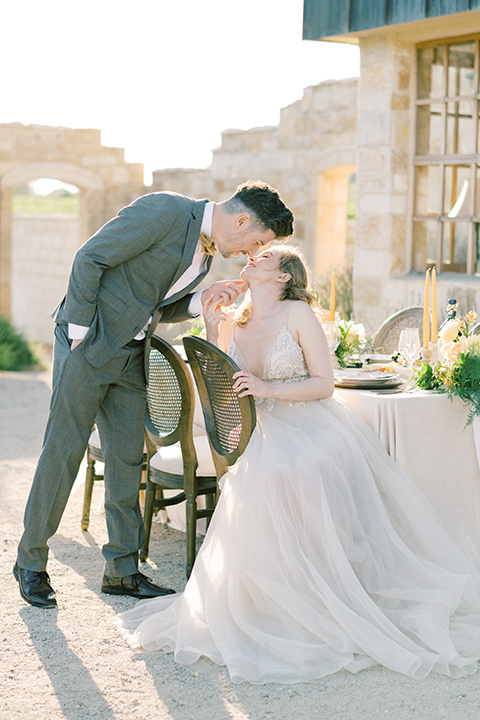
409	348
332	333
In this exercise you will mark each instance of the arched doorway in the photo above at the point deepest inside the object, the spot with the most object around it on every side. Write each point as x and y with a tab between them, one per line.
335	212
36	252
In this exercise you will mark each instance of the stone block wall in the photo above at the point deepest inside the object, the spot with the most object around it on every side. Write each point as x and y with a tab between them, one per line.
106	183
314	135
43	247
383	137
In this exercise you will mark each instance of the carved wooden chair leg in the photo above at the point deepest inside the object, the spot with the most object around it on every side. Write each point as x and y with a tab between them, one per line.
191	539
147	518
87	494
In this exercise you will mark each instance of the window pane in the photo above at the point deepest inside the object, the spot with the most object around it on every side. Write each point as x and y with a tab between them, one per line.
477	193
460	128
461	57
429	129
476	240
454	246
478	129
428	190
430	72
424	244
457	195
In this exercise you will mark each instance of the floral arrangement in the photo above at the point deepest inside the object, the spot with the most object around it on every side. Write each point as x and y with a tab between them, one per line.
352	340
458	372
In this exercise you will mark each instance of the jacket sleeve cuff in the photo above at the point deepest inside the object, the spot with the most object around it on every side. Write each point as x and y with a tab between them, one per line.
195	306
76	332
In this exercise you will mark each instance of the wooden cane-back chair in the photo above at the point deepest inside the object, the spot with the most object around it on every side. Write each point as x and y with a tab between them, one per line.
176	460
92	475
229	419
388	334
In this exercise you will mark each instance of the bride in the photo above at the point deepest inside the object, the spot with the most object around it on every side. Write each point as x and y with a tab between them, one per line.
321	555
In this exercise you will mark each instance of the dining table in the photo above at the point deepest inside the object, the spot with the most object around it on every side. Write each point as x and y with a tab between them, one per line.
426	433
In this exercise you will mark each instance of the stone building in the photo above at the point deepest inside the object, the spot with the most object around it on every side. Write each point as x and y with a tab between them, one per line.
36	251
407	131
418	161
309	156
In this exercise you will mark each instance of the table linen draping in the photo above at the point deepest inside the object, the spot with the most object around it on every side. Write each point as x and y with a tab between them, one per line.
426	433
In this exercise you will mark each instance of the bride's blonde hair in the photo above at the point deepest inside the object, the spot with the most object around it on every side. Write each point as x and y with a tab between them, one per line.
296	288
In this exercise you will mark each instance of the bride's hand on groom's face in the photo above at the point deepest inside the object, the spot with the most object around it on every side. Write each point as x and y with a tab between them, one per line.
212	311
223	292
247	384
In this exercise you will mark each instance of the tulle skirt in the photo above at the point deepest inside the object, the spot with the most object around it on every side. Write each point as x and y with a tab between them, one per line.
321	556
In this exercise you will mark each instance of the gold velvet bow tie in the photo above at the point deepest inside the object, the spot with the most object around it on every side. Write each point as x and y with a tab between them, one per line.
208	246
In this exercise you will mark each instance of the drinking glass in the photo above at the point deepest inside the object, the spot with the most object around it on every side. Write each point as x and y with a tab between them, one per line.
332	333
409	348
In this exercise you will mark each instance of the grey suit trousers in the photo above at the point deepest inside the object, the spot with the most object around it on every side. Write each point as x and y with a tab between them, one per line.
114	397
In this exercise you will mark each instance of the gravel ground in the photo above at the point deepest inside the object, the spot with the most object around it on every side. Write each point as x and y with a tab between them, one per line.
70	663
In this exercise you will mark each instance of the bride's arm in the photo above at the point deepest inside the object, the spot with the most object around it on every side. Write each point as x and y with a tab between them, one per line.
311	339
218	324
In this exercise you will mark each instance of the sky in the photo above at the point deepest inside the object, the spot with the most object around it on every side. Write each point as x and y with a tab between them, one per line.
160	78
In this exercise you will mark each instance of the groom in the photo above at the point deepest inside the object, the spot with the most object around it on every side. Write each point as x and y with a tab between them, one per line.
138	269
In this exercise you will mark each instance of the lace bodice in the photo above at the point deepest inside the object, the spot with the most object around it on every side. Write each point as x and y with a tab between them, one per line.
285	362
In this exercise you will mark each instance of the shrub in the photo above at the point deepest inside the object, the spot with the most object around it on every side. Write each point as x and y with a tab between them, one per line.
15	352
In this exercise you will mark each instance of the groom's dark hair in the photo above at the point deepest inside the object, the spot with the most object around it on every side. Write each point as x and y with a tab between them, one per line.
265	205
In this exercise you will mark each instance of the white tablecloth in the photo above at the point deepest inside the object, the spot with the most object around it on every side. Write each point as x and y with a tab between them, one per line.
426	434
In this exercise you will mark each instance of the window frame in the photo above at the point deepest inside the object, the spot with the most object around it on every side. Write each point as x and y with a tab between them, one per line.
442	160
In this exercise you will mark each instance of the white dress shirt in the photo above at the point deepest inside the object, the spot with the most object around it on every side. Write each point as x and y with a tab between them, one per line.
78	332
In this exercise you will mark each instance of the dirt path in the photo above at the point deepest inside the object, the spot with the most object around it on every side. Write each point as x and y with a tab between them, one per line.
70	663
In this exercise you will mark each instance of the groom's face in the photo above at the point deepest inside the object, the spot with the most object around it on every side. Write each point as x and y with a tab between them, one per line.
242	237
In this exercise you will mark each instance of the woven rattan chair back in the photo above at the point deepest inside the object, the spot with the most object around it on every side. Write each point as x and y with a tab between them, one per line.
229	419
170	404
388	334
169	421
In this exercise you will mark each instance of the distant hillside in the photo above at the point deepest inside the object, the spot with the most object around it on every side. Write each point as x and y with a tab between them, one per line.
53	203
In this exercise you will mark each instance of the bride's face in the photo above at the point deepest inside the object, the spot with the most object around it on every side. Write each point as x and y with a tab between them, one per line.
263	267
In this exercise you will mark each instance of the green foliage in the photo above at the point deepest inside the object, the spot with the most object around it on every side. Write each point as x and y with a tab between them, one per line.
15	352
466	382
352	340
426	378
54	203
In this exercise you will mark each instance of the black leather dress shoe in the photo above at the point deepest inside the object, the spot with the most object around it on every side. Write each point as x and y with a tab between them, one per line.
35	587
136	585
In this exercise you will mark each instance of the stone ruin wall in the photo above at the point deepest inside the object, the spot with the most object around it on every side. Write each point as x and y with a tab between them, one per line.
313	144
316	136
36	251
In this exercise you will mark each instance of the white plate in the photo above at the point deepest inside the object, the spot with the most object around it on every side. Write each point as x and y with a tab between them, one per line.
376	358
365	379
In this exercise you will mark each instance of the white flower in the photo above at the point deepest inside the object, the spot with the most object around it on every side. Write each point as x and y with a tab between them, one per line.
450	330
471	344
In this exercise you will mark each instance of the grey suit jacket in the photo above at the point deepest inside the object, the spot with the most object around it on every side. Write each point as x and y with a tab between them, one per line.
121	274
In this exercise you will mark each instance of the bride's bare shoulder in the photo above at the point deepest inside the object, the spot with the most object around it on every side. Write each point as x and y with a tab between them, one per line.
300	311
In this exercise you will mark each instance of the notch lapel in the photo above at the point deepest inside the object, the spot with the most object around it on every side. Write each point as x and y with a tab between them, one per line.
191	240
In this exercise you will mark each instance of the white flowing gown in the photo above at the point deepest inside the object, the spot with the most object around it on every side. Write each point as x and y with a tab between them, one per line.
321	555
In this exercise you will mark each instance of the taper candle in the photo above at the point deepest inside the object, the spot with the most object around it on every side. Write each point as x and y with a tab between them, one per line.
434	332
332	297
426	309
